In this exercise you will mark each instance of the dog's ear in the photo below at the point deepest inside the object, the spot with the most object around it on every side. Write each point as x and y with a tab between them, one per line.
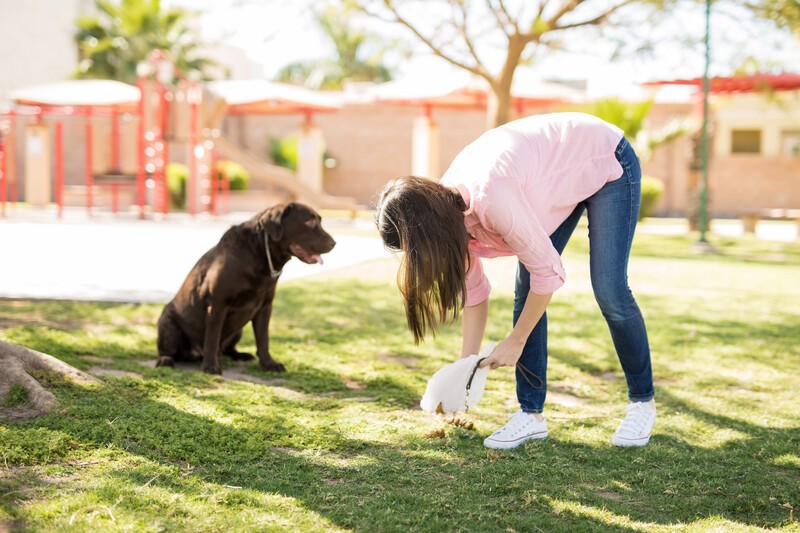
271	221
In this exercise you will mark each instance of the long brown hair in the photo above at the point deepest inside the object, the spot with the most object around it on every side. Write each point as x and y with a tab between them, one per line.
425	220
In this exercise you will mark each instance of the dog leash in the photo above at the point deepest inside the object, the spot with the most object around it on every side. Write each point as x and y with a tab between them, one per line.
274	274
523	371
469	383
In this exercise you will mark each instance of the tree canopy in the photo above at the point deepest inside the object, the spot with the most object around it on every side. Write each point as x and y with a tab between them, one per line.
122	34
358	55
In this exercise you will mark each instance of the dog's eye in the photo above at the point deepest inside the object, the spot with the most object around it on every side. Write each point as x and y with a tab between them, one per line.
312	224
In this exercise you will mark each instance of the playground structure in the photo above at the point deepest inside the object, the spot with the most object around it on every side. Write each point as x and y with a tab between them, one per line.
129	134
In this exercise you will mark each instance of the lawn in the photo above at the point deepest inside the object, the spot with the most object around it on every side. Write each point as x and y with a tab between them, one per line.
338	442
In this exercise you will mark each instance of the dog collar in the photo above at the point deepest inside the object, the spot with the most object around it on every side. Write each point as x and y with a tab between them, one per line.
274	274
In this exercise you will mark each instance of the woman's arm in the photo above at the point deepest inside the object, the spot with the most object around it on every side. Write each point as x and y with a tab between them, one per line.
507	352
473	324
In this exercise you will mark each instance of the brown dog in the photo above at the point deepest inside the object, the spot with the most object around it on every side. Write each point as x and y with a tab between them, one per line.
234	283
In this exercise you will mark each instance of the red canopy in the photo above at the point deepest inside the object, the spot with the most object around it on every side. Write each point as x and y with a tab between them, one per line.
741	84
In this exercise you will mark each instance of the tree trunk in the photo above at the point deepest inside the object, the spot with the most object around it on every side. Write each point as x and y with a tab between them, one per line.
16	363
499	105
498	108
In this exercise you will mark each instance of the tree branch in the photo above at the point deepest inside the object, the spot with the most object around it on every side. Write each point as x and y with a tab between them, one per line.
477	70
467	39
503	16
593	21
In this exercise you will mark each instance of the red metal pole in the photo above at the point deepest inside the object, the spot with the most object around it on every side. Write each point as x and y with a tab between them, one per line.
161	169
114	197
191	189
3	144
60	168
226	187
89	173
115	139
214	182
11	162
140	170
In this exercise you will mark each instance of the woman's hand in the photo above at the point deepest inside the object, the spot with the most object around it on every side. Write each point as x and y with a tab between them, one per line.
507	353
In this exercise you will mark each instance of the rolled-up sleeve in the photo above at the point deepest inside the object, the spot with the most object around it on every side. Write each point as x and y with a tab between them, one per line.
478	287
509	214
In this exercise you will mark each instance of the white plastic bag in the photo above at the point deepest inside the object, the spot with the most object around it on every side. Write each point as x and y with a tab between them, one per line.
457	386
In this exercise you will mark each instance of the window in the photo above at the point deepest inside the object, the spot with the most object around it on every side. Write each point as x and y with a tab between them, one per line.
790	141
746	141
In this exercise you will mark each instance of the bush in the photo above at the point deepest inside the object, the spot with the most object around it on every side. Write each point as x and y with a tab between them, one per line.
237	175
652	189
284	153
178	173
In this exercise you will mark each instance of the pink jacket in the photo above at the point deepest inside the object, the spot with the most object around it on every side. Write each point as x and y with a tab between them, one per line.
521	181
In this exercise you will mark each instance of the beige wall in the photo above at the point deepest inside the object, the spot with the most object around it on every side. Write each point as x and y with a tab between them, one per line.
744	181
37	39
371	143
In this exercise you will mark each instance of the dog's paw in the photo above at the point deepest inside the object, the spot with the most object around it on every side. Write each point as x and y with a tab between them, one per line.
212	369
165	361
241	356
272	366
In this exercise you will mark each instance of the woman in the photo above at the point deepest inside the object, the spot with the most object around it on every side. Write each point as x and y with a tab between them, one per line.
520	190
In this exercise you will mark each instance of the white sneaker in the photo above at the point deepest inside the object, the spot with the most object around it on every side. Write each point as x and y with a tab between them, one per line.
521	428
635	429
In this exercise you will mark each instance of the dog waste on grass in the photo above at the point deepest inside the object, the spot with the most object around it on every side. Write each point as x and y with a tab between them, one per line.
460	422
435	434
453	421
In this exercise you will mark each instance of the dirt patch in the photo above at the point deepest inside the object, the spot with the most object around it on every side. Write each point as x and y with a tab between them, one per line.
236	374
405	360
352	384
567	400
95	359
179	365
103	371
11	526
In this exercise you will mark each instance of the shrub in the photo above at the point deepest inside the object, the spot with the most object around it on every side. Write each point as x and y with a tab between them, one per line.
178	173
652	189
237	175
284	153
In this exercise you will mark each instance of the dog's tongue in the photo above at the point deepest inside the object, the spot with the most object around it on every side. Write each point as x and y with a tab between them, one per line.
316	259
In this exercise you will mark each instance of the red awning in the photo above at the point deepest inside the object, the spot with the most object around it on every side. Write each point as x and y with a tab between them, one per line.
741	84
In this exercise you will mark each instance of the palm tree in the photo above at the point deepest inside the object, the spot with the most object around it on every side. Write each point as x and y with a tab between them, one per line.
630	117
122	34
359	55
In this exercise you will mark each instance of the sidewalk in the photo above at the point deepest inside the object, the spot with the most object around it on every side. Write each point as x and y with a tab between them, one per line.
124	259
110	259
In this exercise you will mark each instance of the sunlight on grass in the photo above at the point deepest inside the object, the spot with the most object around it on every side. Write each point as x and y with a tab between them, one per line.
338	442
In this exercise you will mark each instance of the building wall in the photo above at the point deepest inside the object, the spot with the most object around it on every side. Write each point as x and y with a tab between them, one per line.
750	181
37	36
371	143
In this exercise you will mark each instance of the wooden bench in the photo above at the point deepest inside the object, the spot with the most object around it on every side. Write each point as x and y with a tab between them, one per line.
751	217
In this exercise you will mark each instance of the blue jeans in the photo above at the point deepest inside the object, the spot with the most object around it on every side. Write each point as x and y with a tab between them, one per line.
613	212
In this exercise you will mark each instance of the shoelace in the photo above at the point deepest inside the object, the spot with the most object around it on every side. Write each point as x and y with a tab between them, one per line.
517	423
635	419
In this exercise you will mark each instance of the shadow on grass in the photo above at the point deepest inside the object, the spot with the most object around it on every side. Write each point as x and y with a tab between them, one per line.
298	446
434	485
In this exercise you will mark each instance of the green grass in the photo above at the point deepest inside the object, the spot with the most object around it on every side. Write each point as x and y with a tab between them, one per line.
340	444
